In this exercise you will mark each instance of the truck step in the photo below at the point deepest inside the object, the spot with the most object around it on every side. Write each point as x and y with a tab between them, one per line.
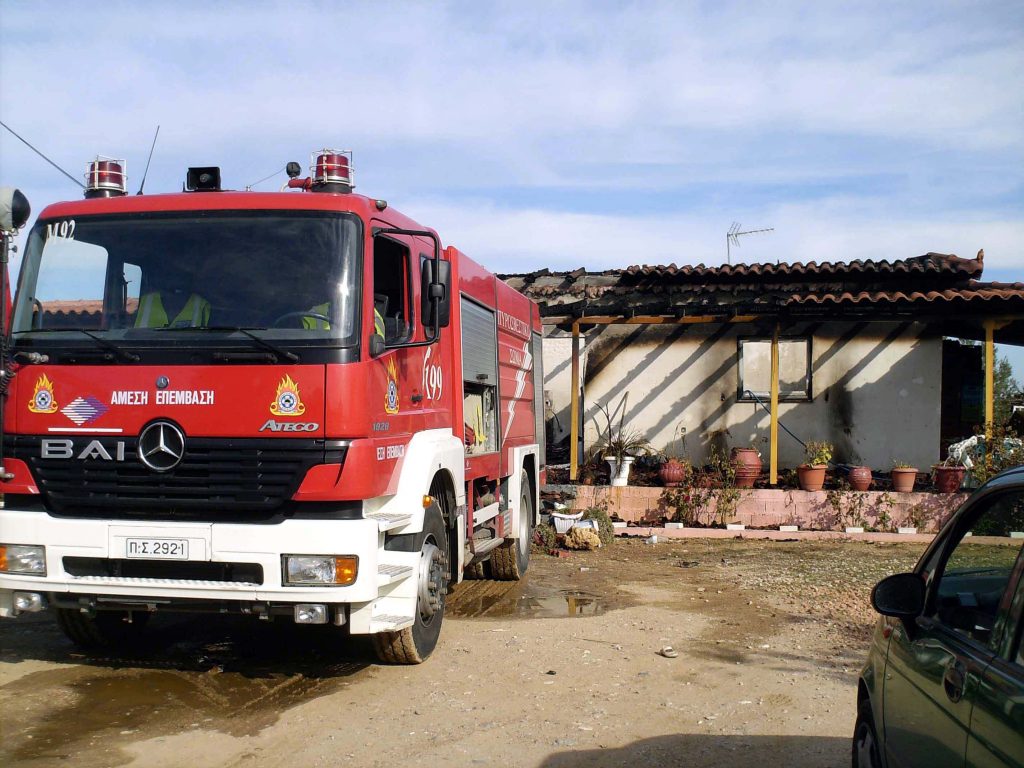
386	623
388	521
389	574
482	547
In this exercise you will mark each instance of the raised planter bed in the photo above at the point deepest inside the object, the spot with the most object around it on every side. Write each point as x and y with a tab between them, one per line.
770	508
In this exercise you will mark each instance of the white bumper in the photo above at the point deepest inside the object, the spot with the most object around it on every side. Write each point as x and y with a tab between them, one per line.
216	542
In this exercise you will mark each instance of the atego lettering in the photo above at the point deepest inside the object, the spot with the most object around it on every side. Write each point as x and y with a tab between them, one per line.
289	426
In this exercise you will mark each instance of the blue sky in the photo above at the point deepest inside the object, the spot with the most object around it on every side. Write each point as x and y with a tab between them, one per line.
559	134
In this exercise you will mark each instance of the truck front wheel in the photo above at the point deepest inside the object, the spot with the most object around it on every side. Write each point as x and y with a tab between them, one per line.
414	644
106	629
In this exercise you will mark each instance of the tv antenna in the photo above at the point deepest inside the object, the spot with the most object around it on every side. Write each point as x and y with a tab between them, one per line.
732	237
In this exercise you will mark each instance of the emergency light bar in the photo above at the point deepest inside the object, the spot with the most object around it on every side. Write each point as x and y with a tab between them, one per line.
332	171
105	177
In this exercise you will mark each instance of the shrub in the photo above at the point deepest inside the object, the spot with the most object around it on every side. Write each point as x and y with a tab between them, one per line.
606	530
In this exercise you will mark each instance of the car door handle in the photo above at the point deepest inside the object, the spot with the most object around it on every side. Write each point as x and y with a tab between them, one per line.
954	679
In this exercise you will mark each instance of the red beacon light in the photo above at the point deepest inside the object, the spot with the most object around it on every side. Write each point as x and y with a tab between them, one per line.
332	171
105	177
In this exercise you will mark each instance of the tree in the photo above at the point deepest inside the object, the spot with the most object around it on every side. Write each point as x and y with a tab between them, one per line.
1006	389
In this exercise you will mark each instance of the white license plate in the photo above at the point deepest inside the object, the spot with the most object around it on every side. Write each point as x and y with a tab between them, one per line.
157	549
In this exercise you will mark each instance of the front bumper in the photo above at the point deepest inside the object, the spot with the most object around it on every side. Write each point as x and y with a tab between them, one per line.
68	541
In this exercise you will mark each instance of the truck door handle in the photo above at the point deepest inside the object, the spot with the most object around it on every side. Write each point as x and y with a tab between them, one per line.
954	679
417	398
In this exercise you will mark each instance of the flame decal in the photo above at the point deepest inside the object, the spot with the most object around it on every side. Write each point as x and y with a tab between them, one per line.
287	401
43	400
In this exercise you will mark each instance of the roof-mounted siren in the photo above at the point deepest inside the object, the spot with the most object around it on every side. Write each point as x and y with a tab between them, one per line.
106	177
332	171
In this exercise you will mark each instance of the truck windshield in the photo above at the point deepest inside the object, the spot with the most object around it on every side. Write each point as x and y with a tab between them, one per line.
288	276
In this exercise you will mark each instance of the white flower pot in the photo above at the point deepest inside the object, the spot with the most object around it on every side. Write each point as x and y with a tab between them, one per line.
620	474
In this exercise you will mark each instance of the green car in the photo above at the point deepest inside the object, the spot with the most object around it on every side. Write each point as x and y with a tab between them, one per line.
944	680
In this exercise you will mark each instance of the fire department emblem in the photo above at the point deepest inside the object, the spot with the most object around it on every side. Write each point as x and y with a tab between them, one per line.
391	396
43	400
287	401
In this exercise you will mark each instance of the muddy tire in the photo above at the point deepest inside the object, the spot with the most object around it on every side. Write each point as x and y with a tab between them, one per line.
414	644
510	560
477	571
107	629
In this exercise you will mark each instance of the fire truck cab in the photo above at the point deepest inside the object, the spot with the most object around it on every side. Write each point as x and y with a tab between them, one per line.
295	404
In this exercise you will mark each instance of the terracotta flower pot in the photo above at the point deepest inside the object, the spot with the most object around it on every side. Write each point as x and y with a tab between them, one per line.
860	478
747	464
672	473
903	479
948	479
811	478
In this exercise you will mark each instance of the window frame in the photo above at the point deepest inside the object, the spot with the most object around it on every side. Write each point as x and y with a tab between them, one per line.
410	306
934	564
806	396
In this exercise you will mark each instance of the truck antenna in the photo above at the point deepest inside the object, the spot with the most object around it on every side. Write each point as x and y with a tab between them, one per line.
5	125
148	159
248	187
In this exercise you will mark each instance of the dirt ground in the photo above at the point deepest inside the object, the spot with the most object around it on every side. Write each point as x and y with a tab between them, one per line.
560	670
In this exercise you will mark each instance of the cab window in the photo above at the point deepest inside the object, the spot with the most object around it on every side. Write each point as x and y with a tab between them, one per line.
392	300
970	586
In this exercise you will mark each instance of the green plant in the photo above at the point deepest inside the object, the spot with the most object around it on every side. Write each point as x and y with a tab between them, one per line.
605	529
1007	451
545	536
818	453
897	464
620	441
850	508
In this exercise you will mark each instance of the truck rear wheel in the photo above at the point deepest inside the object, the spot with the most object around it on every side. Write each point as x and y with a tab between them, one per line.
510	560
107	629
414	644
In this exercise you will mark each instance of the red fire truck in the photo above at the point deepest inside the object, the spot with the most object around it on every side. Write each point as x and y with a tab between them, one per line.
294	404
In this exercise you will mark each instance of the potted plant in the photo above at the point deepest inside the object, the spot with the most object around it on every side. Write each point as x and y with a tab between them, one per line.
811	474
948	475
620	451
747	465
903	477
620	446
859	478
674	469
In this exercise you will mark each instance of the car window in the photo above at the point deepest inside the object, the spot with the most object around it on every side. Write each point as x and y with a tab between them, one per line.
973	581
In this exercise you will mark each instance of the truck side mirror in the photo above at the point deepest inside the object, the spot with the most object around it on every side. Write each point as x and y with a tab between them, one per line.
436	290
377	346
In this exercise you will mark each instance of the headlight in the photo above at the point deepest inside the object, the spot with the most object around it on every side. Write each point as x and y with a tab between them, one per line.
333	570
23	558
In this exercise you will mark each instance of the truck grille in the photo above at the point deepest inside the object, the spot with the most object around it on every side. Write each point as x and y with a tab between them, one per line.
186	570
216	479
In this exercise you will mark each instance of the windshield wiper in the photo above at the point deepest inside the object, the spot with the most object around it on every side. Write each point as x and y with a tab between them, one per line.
247	332
103	343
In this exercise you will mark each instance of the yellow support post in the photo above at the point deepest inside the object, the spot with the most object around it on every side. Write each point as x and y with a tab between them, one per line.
574	407
990	381
773	461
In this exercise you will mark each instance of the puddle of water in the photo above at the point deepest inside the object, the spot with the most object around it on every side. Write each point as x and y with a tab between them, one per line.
232	677
474	599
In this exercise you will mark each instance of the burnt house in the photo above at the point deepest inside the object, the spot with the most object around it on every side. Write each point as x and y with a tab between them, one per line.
886	360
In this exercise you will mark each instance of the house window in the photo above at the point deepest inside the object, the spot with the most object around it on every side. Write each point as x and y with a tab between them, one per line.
755	369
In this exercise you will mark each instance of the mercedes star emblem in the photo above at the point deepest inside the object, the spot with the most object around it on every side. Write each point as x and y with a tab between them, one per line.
161	446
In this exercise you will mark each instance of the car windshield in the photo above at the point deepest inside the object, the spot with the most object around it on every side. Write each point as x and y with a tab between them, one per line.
287	276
